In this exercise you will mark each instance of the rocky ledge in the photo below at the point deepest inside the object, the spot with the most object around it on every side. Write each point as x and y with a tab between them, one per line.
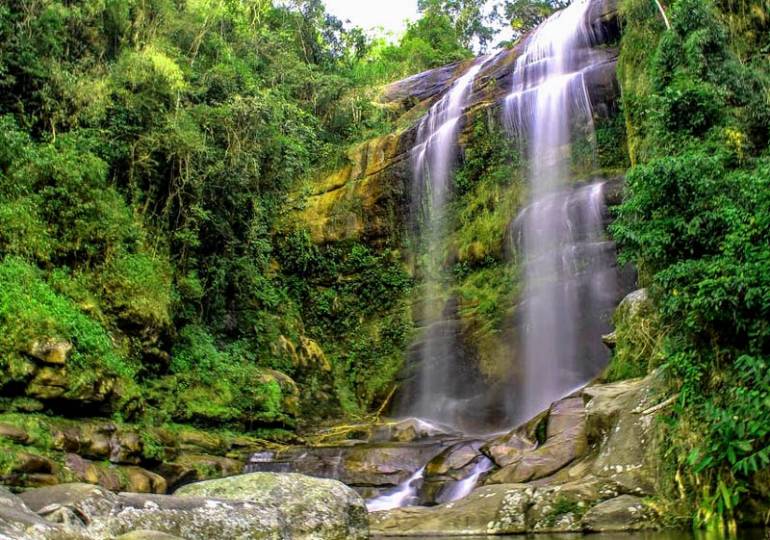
257	506
594	471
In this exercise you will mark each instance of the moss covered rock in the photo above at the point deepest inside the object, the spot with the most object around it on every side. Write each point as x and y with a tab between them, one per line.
311	508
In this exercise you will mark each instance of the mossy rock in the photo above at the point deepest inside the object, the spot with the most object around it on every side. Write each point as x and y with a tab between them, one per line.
308	507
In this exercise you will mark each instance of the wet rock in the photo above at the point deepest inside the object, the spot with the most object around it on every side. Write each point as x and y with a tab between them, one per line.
624	513
497	509
408	430
308	507
619	419
453	464
422	86
48	383
201	442
87	471
126	447
368	467
566	441
209	466
115	477
139	480
84	500
27	463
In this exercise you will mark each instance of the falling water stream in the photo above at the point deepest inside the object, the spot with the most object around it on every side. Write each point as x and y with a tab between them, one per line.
569	271
404	494
433	158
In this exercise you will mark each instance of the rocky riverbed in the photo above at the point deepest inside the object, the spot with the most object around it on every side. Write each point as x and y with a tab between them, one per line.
247	507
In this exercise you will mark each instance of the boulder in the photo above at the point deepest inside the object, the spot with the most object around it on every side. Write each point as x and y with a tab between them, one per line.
308	507
565	442
19	522
147	535
620	423
13	433
624	513
191	518
408	430
115	477
48	383
499	509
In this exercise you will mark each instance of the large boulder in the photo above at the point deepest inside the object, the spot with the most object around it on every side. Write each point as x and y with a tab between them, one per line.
565	442
310	508
622	513
257	506
19	522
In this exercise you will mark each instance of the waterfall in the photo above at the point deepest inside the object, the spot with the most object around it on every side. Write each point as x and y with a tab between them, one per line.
433	157
404	494
462	488
569	273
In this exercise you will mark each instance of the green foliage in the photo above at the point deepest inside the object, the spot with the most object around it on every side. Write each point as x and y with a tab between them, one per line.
212	386
487	193
146	151
640	340
30	309
696	221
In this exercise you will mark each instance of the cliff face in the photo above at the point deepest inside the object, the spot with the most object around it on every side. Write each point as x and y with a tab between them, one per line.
371	201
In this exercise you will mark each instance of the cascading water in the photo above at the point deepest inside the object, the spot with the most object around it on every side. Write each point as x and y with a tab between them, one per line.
570	279
402	495
462	488
569	271
436	394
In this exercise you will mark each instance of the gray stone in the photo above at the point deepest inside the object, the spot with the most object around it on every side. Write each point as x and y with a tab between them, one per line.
308	507
624	513
18	522
147	535
565	442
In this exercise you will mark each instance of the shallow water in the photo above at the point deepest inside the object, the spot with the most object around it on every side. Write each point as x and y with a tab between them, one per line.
750	534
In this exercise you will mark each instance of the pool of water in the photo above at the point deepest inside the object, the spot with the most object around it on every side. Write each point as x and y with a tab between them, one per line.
751	534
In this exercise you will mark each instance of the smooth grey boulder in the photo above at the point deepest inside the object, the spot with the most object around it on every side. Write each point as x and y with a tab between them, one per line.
624	513
301	507
19	522
147	535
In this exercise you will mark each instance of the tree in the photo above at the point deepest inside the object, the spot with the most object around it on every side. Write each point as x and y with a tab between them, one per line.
525	15
471	21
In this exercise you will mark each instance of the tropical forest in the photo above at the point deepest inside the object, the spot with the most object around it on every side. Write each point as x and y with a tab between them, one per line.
268	272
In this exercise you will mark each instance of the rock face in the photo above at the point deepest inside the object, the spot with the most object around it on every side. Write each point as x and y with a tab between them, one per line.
118	457
369	199
385	456
597	461
250	507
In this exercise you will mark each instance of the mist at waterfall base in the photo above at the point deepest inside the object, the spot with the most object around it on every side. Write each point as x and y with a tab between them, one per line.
569	273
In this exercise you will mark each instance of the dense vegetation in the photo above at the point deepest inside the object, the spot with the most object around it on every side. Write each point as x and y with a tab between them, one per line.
146	150
152	150
696	221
